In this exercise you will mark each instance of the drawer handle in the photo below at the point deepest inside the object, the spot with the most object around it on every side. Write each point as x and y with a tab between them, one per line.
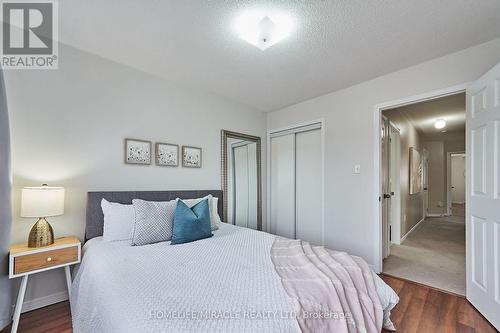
49	259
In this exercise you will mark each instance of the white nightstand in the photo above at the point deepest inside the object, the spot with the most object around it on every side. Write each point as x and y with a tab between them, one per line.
24	261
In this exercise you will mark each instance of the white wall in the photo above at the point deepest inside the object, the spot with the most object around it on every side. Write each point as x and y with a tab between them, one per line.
5	211
68	126
351	199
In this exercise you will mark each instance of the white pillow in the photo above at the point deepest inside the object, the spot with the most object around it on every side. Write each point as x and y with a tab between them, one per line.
212	205
215	214
119	221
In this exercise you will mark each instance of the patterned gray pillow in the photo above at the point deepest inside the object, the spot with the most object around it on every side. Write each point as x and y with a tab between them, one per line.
153	221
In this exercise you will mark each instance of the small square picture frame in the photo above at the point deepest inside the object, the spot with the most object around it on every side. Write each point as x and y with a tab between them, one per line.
191	157
166	154
137	151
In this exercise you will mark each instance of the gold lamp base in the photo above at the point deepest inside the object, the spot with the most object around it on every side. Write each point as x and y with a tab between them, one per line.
41	234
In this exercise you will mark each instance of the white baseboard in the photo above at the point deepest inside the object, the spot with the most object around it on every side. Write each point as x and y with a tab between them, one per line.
41	302
414	227
437	215
4	323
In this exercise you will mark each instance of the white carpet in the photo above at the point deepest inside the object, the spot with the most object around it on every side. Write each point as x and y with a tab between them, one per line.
433	254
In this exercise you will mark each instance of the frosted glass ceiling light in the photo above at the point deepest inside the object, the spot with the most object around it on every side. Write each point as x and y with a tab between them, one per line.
263	30
440	123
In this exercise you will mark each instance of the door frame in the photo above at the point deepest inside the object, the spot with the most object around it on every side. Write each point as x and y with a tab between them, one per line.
377	160
448	180
268	170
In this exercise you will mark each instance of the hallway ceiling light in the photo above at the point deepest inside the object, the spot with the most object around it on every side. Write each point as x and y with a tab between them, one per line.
440	123
263	30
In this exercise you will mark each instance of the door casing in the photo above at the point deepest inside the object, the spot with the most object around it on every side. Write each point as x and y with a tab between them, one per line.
378	177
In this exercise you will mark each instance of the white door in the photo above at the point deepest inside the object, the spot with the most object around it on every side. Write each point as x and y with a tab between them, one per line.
296	190
283	186
308	168
395	187
483	195
386	197
425	168
458	178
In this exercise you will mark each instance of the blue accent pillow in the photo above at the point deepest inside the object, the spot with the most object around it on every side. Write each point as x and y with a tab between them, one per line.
191	224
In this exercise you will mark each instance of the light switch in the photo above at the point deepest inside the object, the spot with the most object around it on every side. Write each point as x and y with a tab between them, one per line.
357	169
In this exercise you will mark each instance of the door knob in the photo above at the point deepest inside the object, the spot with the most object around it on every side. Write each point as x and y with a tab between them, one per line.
387	196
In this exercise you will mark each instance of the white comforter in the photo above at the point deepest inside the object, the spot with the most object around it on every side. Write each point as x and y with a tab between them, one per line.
226	283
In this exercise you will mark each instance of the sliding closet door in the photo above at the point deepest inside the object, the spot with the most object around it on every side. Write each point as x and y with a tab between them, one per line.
308	189
283	185
296	176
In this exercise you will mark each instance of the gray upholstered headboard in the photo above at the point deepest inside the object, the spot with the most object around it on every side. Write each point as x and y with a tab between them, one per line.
95	218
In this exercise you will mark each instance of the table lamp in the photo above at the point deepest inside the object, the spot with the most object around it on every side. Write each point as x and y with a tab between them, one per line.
42	202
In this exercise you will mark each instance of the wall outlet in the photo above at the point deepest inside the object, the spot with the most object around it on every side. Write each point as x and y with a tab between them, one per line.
357	169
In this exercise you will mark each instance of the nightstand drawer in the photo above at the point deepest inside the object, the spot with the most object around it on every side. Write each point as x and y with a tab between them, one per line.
35	261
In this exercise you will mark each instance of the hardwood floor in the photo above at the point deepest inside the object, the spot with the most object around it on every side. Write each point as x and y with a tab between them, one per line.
425	309
54	319
421	309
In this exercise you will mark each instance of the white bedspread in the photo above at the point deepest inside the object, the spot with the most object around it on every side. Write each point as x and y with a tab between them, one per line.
123	288
226	283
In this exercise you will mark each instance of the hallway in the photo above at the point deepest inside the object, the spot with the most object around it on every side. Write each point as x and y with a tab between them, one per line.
433	254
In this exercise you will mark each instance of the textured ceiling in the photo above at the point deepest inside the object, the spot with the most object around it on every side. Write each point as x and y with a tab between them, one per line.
336	43
423	115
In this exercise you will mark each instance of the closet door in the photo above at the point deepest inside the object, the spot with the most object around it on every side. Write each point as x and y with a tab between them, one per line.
282	185
308	198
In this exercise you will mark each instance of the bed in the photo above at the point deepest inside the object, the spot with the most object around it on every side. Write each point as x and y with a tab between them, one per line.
226	283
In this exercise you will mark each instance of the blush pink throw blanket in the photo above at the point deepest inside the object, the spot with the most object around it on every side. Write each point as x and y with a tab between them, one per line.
331	291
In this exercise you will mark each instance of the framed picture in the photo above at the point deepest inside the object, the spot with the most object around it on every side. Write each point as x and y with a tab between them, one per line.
191	157
416	169
167	154
137	151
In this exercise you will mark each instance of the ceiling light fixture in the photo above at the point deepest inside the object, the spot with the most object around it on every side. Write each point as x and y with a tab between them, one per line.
440	123
263	30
